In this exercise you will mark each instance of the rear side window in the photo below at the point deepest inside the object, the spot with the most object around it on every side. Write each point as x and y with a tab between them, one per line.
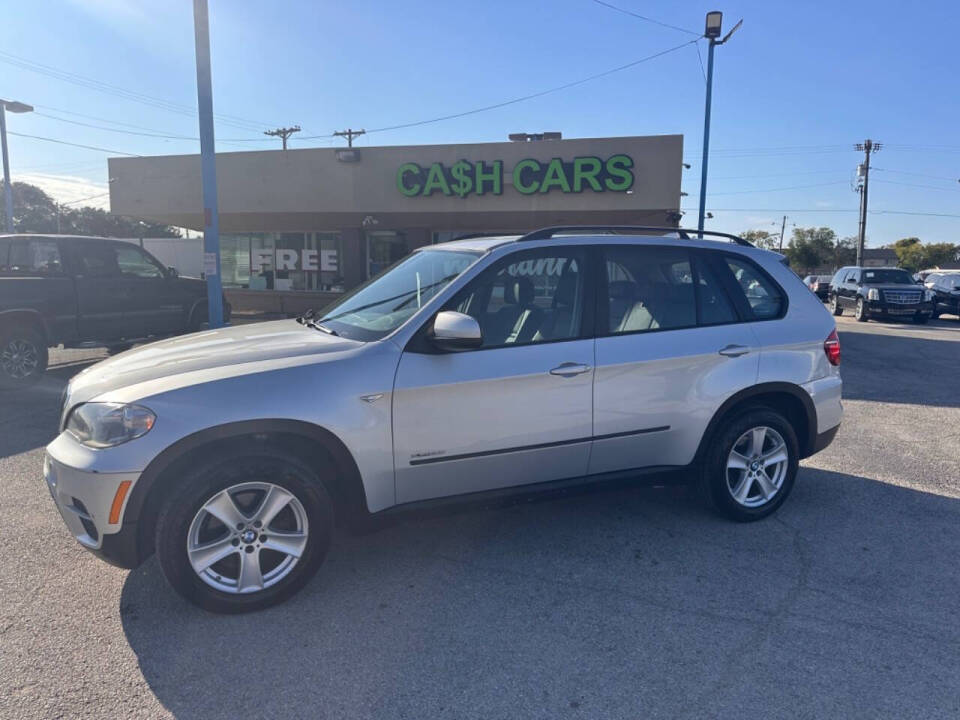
649	288
713	302
35	257
765	299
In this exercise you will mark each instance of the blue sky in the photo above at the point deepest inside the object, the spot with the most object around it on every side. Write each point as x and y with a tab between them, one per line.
794	89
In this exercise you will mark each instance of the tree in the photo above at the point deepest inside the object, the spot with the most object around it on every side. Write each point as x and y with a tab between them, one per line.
762	239
914	255
36	212
846	251
810	248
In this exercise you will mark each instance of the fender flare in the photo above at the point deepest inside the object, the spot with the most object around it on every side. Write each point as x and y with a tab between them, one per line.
29	314
350	488
810	411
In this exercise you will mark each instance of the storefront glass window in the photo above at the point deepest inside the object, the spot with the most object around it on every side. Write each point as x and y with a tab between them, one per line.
308	262
384	248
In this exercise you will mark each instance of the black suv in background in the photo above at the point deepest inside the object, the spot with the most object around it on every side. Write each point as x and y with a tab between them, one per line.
881	293
83	291
945	287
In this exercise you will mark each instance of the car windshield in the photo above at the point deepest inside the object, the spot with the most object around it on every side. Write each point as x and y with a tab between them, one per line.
887	276
388	300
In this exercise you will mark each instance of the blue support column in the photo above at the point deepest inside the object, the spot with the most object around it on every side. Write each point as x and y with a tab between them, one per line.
208	164
7	189
706	140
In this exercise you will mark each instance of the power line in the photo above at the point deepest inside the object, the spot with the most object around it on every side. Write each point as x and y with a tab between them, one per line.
646	19
116	130
916	174
777	211
92	197
514	101
916	185
100	86
779	189
64	142
700	59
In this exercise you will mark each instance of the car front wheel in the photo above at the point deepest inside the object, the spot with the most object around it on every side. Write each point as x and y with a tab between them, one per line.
861	313
751	466
835	306
244	533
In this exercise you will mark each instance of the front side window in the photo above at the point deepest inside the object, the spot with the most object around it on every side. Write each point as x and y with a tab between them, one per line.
535	297
386	302
765	299
649	288
133	262
35	257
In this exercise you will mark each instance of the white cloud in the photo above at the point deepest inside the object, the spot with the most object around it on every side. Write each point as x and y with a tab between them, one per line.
69	189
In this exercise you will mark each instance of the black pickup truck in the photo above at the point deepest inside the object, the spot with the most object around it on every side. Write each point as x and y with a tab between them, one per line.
86	292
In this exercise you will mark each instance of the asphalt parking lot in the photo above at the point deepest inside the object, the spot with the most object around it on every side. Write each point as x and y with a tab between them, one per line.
632	603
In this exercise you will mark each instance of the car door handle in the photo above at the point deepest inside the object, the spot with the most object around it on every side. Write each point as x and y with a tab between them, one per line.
734	350
569	369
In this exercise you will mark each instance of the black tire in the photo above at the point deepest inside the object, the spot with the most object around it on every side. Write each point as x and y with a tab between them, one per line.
861	313
934	313
23	356
920	319
264	465
835	306
714	473
198	318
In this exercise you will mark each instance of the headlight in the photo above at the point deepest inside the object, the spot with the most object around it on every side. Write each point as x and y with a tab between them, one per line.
873	294
101	425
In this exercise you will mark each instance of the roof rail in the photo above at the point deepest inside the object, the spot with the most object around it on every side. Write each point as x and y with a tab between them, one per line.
549	232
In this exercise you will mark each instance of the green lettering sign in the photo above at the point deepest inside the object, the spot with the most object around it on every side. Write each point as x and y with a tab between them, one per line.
619	177
518	171
436	180
465	178
410	189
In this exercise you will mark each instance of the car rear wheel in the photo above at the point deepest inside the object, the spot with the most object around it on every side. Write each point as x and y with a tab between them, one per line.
752	465
835	306
23	357
244	533
861	313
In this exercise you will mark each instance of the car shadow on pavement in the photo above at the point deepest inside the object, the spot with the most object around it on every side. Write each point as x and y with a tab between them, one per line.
29	418
925	369
635	602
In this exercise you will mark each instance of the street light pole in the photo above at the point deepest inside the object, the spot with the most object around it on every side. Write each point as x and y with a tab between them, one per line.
712	32
208	166
16	107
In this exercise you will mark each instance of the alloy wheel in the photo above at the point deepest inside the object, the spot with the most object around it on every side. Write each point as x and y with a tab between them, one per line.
247	537
757	466
19	359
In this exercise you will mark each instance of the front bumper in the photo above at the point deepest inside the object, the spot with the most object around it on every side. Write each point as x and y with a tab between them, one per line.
881	308
84	500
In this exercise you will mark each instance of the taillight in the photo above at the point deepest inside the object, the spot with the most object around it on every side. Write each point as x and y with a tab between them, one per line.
831	347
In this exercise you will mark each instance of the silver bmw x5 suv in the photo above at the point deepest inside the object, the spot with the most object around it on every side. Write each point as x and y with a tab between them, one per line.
478	368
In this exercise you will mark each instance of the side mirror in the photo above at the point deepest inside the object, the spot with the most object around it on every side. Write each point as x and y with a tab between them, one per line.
172	272
454	331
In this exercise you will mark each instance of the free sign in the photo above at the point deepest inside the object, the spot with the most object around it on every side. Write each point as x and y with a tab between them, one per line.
288	259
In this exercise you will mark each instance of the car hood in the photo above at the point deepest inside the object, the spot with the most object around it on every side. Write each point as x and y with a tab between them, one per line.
229	351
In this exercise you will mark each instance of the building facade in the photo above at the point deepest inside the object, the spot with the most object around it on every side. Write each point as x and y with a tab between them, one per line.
298	227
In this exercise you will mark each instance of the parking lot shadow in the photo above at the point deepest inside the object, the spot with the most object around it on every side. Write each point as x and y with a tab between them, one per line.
924	370
631	603
28	418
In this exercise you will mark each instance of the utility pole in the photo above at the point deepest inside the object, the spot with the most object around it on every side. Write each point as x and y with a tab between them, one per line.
783	227
712	32
867	148
208	166
349	134
283	133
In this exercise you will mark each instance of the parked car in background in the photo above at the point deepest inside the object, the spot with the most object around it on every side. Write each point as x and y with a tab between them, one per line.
879	293
819	285
945	287
477	369
86	291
